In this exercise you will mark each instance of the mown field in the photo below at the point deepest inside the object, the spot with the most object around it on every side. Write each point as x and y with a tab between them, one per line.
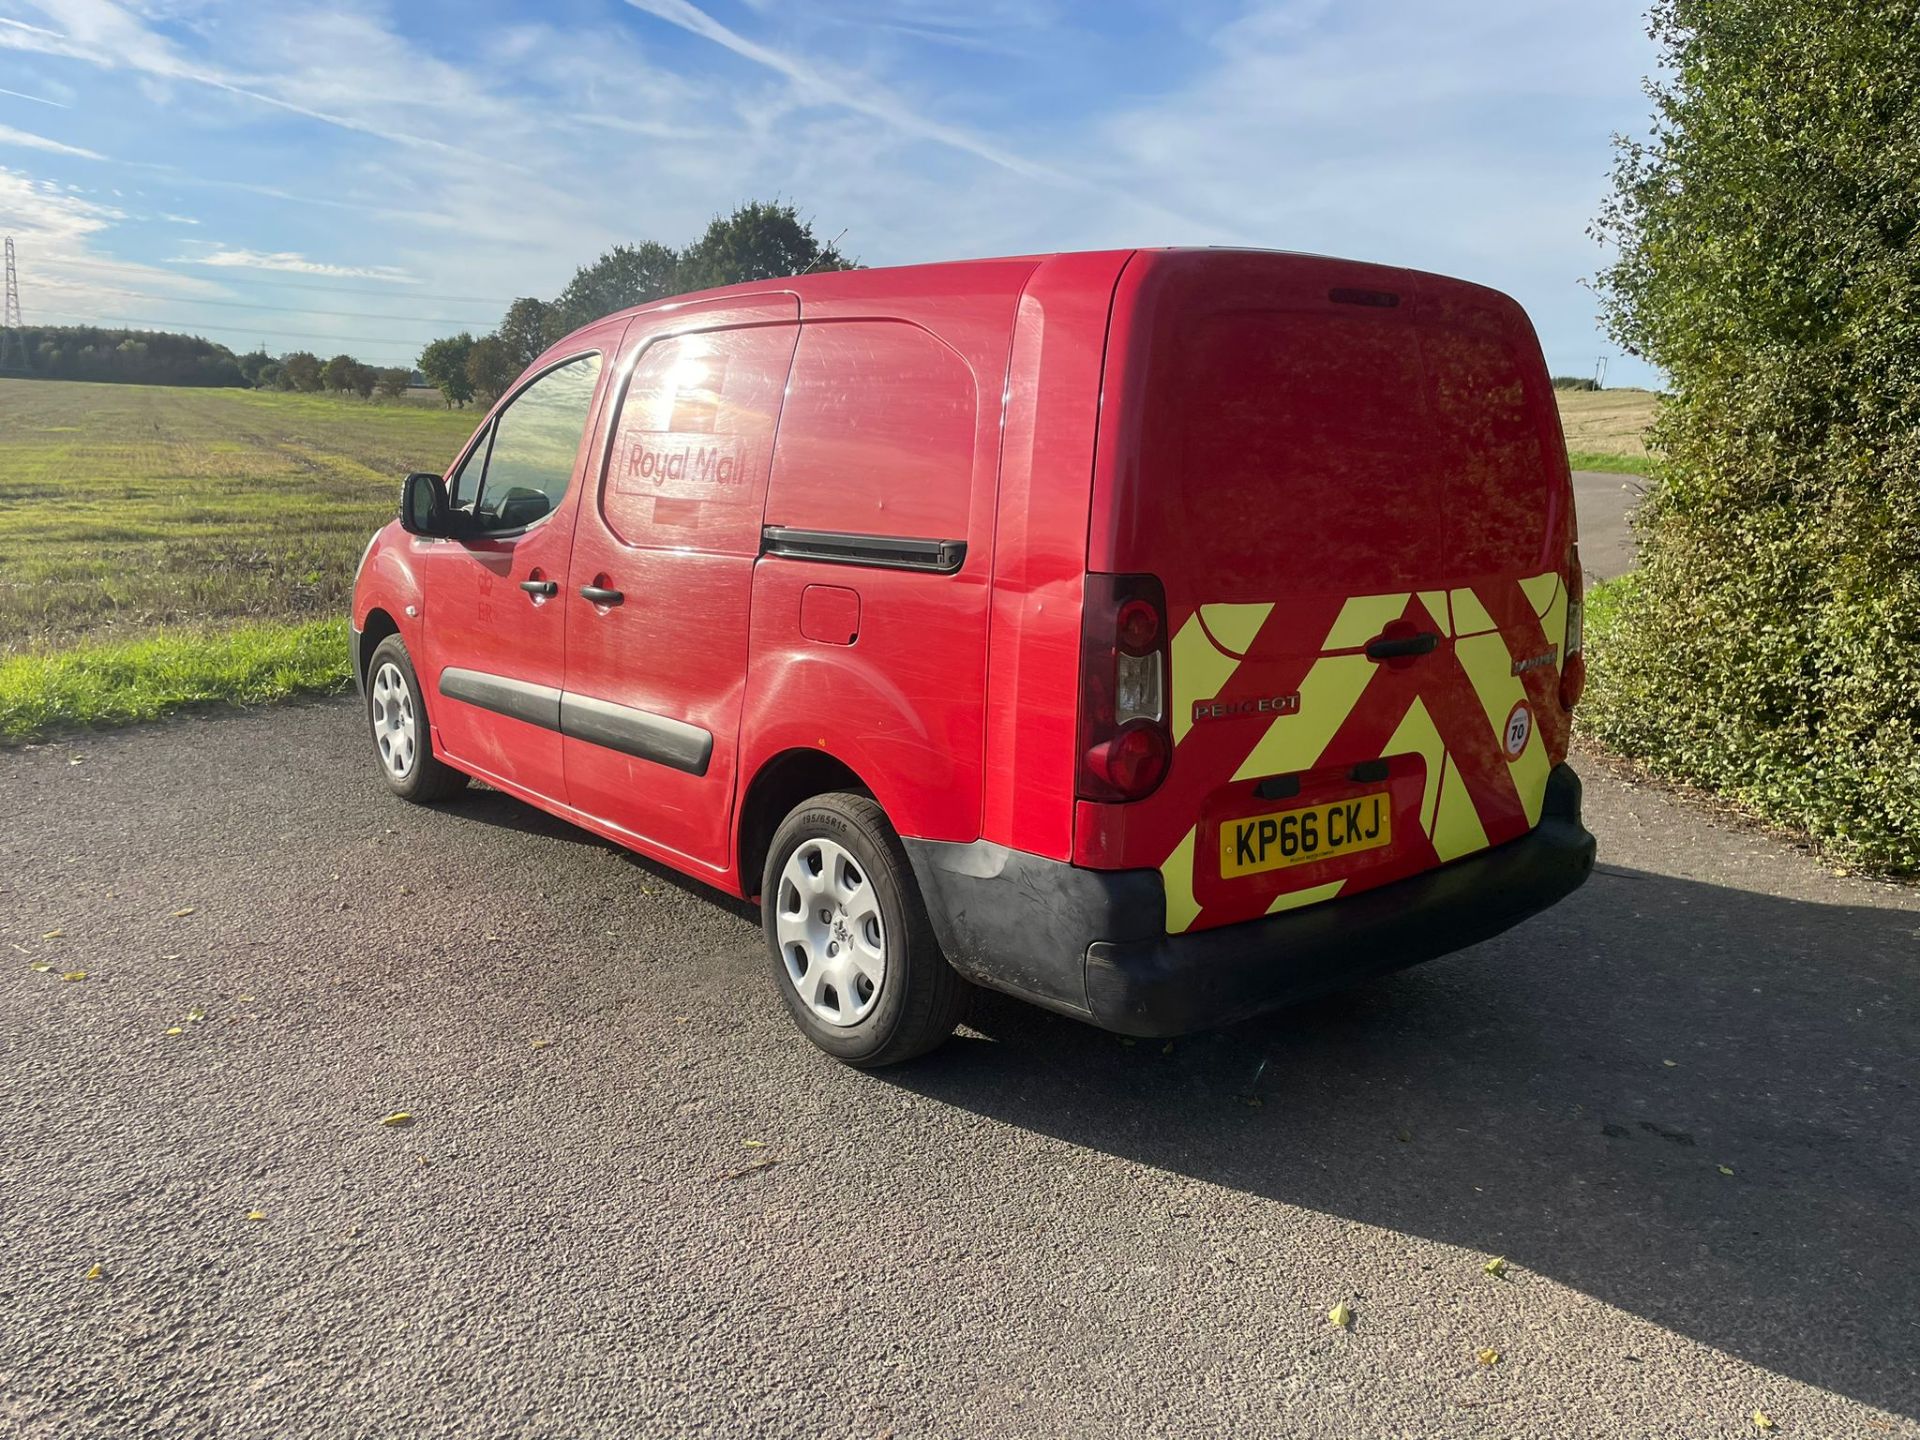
167	547
1607	429
128	508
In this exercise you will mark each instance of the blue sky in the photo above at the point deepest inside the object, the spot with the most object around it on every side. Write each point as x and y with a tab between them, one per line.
364	176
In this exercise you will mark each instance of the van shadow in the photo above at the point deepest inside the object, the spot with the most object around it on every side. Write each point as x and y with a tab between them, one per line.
1517	1100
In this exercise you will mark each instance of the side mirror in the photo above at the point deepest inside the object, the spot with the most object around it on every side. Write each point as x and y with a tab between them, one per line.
424	509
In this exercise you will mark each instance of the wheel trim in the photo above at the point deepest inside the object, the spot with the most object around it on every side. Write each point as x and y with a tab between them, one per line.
395	732
833	942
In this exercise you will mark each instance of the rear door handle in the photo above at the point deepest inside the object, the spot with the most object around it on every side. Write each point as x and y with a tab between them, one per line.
1421	644
600	595
541	587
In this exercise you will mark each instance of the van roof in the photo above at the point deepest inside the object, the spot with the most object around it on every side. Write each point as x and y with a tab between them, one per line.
893	281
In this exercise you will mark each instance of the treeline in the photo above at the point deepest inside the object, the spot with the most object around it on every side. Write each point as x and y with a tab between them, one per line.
128	357
305	373
759	241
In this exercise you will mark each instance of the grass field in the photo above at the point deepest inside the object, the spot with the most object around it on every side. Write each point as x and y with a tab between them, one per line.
165	547
1607	429
128	508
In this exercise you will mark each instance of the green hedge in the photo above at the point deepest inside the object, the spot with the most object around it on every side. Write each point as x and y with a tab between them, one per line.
1769	261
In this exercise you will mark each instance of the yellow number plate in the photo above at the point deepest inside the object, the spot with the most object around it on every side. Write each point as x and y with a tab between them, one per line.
1299	837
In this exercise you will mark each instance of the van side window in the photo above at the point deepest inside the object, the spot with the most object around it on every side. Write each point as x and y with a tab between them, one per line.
688	462
535	442
877	436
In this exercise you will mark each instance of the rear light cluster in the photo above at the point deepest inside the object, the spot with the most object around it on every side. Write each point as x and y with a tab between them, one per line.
1125	740
1573	664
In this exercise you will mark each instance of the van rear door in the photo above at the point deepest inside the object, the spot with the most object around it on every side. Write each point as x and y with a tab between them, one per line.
1350	481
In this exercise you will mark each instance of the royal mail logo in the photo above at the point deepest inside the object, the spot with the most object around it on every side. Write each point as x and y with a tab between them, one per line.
688	466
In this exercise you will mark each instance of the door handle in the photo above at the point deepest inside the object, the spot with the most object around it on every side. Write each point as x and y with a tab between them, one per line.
541	587
1421	644
600	595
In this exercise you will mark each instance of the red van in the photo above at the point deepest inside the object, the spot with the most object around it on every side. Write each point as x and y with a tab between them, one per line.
1158	635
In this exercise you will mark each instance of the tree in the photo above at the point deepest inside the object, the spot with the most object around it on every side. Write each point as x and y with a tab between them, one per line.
490	369
525	330
625	276
301	371
393	381
1767	233
759	241
363	379
338	373
252	363
444	363
268	377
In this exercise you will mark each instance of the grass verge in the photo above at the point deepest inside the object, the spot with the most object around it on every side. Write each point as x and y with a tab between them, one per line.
119	684
1612	464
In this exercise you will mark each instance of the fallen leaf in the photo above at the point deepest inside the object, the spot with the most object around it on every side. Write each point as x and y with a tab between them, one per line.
1167	1049
541	1044
1489	1356
1671	1064
1405	1137
398	1118
754	1144
183	912
1341	1317
96	1273
1763	1421
256	1214
53	935
243	999
1726	1170
1126	1040
43	969
74	975
196	1013
177	1030
1255	1101
1496	1267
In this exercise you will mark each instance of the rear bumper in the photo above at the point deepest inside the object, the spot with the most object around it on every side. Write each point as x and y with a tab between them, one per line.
1093	943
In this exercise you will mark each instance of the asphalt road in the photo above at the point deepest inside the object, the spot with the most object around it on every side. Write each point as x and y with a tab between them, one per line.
1605	505
632	1201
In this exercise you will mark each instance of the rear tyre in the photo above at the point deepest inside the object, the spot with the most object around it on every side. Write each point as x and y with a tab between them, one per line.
402	738
854	956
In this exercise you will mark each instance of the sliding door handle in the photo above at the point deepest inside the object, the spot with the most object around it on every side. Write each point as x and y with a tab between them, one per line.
541	587
600	595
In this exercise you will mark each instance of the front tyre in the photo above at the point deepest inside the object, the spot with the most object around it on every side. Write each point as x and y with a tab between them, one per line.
854	955
397	715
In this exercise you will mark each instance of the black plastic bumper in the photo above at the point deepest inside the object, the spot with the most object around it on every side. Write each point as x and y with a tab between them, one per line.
353	659
1093	943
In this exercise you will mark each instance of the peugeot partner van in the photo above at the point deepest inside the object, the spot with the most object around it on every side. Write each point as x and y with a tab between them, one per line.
1161	635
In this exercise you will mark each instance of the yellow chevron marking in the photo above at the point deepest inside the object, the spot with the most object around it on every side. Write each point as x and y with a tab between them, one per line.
1312	895
1418	735
1327	697
1470	617
1362	618
1489	666
1554	623
1457	829
1436	603
1177	877
1540	590
1199	670
1234	626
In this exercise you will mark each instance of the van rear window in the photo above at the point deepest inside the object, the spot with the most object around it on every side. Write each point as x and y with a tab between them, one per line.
877	434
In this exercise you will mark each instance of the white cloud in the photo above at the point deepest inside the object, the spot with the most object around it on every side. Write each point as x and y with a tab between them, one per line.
290	263
27	140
